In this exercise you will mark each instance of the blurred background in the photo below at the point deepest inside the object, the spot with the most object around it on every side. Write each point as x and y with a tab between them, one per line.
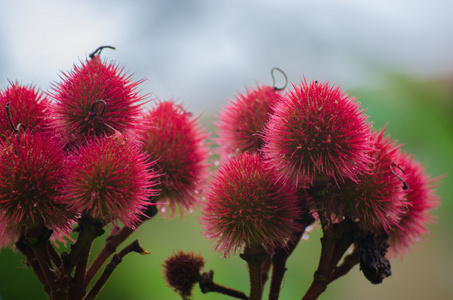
396	57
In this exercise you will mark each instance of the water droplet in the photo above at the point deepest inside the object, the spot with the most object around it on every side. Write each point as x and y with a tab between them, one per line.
305	236
35	204
309	228
19	206
216	163
163	209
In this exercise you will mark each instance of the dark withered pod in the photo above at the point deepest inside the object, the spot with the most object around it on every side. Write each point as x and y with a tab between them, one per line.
372	249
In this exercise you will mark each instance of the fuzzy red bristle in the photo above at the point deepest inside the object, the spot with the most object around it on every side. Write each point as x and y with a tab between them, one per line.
31	170
247	206
177	143
77	115
110	180
242	121
318	130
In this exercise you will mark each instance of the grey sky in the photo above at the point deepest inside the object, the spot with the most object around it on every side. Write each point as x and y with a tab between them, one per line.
203	52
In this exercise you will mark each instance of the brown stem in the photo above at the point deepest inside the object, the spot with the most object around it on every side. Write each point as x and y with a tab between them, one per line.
89	230
54	256
115	239
115	261
254	256
77	289
208	285
33	262
281	255
322	274
348	263
265	268
36	237
279	265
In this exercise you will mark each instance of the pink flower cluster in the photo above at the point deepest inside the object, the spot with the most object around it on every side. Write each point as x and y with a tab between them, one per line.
312	140
89	148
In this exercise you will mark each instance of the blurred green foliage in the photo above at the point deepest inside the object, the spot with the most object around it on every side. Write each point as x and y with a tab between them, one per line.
417	114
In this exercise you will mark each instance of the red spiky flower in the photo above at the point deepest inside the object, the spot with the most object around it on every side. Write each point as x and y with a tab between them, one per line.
31	170
421	199
241	122
175	141
109	179
377	199
26	105
318	130
94	98
182	272
247	206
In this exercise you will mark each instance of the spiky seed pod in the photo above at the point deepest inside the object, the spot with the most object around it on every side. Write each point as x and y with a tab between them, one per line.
110	180
247	206
182	272
421	199
318	130
377	199
31	171
241	122
27	106
80	112
175	141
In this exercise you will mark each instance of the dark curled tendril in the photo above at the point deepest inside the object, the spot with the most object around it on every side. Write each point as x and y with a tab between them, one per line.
8	114
273	79
99	50
405	185
93	112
